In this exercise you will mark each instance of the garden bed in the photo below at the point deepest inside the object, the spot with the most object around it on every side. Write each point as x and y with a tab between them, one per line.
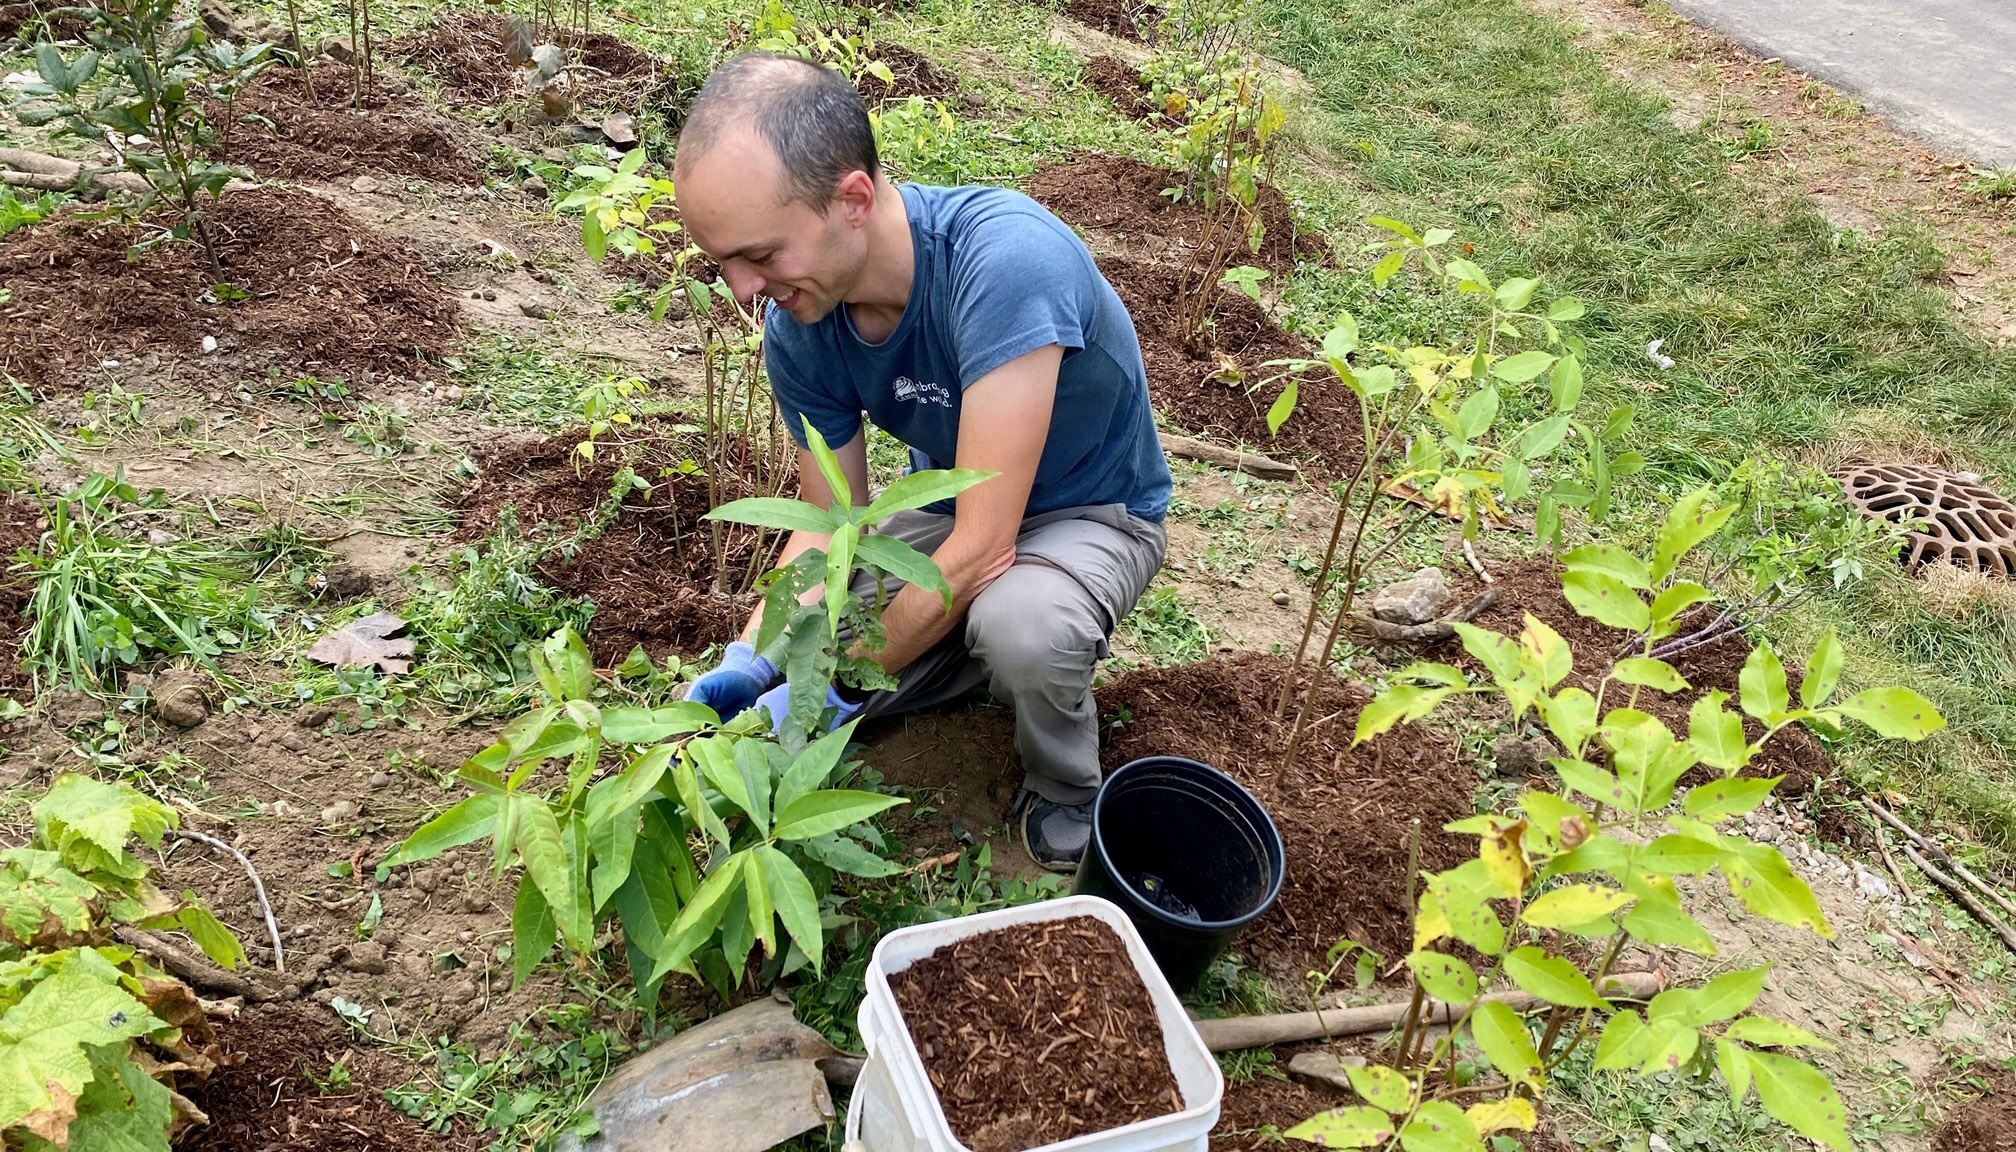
325	296
911	74
1986	1125
21	526
325	138
1224	391
1124	196
465	53
1122	18
1344	812
650	571
1120	82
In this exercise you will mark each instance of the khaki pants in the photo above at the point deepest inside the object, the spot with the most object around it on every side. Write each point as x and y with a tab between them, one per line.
1035	635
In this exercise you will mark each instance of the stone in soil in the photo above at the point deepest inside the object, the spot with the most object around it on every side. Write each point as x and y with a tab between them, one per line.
179	699
1416	600
1036	1034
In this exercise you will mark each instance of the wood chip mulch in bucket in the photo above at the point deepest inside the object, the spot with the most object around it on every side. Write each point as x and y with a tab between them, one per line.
1037	1033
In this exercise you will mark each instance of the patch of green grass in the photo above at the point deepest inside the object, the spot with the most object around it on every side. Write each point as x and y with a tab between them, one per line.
1166	630
1987	183
519	383
1249	1064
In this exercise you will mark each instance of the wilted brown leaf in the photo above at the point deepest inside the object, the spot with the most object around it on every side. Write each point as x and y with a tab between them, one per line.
363	643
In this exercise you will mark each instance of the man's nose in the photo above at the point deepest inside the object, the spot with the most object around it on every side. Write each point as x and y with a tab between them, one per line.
744	283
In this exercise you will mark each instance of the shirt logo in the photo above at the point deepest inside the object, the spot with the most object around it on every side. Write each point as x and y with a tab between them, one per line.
916	393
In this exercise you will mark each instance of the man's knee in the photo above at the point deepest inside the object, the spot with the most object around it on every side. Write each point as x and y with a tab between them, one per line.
1034	626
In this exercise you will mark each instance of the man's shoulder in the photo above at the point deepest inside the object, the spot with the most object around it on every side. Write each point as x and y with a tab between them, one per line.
963	210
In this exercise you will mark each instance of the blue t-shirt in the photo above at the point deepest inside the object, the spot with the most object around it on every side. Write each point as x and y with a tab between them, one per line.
997	277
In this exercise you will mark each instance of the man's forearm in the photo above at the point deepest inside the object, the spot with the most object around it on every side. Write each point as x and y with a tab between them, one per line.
917	618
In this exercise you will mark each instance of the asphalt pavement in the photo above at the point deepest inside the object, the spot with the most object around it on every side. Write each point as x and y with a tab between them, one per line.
1943	70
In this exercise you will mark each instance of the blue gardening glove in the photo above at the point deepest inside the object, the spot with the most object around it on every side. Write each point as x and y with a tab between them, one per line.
778	701
736	682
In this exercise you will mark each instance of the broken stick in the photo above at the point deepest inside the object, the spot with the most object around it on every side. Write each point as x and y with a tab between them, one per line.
199	972
1266	468
1967	899
1939	856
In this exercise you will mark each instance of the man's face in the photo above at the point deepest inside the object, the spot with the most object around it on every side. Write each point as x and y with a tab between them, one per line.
733	201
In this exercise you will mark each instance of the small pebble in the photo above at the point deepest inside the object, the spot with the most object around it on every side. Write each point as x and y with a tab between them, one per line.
380	779
339	812
466	936
489	295
301	931
1283	599
209	345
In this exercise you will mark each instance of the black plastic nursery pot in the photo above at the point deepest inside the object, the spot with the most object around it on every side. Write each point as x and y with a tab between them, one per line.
1188	854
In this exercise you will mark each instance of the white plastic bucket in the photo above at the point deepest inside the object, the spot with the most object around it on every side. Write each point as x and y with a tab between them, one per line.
894	1107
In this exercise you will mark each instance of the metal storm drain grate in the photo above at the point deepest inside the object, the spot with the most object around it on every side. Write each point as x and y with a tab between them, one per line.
1953	518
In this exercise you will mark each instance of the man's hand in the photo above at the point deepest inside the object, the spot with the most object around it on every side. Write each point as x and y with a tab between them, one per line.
735	683
1004	420
777	701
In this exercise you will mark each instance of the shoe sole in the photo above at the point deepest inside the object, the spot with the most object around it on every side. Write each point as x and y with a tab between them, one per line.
1061	867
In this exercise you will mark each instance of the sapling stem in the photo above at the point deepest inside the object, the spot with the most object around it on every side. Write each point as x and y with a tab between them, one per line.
301	52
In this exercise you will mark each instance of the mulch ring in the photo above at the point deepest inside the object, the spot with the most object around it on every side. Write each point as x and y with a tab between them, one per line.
325	295
465	52
21	526
1344	813
1120	82
650	572
1122	195
911	74
325	138
1535	586
1986	1125
1123	18
1191	385
273	1099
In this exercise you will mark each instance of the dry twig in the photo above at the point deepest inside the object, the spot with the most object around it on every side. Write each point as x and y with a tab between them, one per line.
258	887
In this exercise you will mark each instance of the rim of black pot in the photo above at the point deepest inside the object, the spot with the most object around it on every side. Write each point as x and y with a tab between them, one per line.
1170	918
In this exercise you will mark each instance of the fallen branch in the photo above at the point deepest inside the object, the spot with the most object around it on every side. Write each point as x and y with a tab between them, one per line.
1266	468
1896	873
1476	565
1967	899
47	173
1236	1032
1939	856
1432	632
258	886
200	973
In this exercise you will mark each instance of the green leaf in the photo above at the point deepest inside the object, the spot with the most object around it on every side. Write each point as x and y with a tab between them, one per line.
1823	672
45	1038
79	812
543	849
686	782
1514	294
1724	998
1478	413
630	787
1688	523
1538	440
217	942
1551	978
1735	1066
752	760
469	821
1517	476
1624	1042
701	916
1659	918
829	466
1798	1095
1676	598
1522	366
840	555
1648	760
613	845
1645	672
1355	1126
1895	713
762	915
1593	782
1609	560
1498	653
49	64
1570	716
1606	599
716	757
1283	406
1759	876
533	929
1565	309
1675	855
1574	906
817	813
1546	651
776	512
1444	977
813	767
1439	1126
1381	1087
650	725
1769	1033
905	563
1383	271
1669	1046
1502	1034
1762	681
1402	702
844	855
1722	799
1565	385
1717	734
797	904
921	488
1461	896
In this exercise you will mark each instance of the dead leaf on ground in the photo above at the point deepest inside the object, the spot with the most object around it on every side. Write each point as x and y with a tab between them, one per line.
363	643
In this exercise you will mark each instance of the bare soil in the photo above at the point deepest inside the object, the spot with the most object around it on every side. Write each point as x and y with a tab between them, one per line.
1037	1034
21	527
35	15
1986	1125
272	1099
1120	18
1344	813
650	572
1224	391
325	138
1122	195
465	52
1120	82
328	297
911	74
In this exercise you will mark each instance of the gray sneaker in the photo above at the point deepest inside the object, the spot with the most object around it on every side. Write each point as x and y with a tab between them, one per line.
1056	834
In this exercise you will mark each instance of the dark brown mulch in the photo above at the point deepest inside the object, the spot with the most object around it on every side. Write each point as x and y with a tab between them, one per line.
272	1101
465	52
1190	385
1986	1125
1000	1017
1124	195
650	573
21	527
1121	83
325	138
37	17
1123	18
1343	813
1535	586
911	74
329	295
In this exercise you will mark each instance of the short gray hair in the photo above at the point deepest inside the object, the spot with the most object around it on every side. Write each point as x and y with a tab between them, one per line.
809	114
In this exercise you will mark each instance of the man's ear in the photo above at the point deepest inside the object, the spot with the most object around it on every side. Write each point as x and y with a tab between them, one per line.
854	197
